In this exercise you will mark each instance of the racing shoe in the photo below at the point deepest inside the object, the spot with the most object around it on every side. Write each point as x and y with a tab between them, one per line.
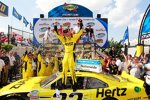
74	86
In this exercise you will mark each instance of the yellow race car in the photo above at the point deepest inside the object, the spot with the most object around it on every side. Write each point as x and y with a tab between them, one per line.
90	86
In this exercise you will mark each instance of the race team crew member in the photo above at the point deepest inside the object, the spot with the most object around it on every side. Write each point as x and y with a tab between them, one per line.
27	66
41	65
69	43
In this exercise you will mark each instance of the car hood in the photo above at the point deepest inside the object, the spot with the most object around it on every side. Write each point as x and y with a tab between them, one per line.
23	85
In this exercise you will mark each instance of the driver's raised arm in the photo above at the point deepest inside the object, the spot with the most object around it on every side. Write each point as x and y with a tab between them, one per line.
61	38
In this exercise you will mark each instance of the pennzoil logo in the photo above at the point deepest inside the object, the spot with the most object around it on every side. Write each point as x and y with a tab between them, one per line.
70	7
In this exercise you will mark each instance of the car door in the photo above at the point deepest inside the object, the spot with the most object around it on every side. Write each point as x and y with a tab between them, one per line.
66	92
57	90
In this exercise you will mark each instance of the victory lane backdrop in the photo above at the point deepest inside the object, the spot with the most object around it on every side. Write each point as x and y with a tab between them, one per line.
41	24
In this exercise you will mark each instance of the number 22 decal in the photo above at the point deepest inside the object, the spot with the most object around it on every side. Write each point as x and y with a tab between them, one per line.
64	95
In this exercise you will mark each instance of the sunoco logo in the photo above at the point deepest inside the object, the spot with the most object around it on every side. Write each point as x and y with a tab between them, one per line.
70	7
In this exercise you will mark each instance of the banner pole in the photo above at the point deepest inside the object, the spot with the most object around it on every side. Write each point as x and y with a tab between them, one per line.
8	33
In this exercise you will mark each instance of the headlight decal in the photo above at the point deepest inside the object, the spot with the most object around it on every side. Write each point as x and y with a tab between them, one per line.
137	89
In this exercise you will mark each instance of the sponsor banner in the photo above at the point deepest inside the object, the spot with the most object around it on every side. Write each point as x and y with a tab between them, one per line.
25	21
70	10
96	28
3	9
88	65
16	14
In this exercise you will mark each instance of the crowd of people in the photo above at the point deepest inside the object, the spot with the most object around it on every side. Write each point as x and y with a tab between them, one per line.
135	66
47	63
3	37
23	42
41	63
30	64
15	39
9	66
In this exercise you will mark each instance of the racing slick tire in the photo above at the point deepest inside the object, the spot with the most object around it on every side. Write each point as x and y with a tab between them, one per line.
110	98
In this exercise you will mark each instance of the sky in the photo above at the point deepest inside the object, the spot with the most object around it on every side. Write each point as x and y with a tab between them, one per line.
120	14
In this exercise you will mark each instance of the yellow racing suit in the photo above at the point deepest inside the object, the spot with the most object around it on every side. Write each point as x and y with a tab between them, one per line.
27	68
41	66
68	60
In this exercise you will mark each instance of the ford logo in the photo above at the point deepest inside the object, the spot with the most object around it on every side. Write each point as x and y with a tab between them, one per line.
100	35
90	24
43	29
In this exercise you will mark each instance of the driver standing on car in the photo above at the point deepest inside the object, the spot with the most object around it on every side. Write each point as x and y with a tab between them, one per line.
69	43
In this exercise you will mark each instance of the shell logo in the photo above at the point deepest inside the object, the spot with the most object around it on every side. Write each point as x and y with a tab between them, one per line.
87	46
99	40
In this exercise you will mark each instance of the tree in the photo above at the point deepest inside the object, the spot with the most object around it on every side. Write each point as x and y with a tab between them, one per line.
7	47
115	44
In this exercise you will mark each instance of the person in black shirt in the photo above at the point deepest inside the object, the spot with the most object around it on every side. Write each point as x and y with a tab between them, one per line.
13	40
112	52
113	68
17	64
89	30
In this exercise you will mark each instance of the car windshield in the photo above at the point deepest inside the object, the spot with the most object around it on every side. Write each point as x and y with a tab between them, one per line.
111	77
49	79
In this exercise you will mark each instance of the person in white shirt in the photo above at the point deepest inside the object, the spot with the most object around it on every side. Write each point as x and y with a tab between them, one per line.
48	36
12	62
77	28
2	64
135	67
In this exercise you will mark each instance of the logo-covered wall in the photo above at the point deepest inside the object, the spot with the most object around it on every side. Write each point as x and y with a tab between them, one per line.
99	30
67	15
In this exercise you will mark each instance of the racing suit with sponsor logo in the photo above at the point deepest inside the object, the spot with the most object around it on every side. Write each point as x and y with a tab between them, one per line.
68	60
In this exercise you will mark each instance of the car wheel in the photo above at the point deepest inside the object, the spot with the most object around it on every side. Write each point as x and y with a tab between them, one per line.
110	98
13	98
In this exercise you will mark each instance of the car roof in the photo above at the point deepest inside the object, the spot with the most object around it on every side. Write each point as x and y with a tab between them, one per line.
101	75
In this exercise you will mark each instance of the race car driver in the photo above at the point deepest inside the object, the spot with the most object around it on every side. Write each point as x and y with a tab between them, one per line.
69	43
